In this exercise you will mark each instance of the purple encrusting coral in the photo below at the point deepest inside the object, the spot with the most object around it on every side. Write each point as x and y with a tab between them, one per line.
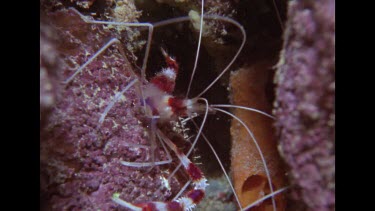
80	161
305	100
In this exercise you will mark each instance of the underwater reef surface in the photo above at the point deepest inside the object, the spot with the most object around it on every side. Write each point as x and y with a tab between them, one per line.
79	160
80	167
305	103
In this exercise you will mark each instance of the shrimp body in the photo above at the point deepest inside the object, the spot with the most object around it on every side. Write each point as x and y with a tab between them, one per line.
158	95
162	104
185	203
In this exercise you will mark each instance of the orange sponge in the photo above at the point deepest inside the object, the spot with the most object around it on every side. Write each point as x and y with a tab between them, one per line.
248	86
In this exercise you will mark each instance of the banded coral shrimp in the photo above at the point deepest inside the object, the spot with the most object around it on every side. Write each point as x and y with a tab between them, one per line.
128	83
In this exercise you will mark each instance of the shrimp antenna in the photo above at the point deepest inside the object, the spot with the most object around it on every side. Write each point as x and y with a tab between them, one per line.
221	165
278	14
112	103
147	51
235	56
210	17
243	107
258	148
198	48
152	148
100	51
116	198
266	197
116	41
195	140
200	128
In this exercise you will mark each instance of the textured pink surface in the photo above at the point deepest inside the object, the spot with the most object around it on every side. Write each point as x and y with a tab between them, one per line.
305	100
80	168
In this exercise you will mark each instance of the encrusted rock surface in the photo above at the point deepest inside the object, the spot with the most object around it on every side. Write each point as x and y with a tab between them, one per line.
305	103
80	161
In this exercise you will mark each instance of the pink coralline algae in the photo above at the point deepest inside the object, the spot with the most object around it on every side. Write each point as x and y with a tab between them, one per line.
79	160
305	103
